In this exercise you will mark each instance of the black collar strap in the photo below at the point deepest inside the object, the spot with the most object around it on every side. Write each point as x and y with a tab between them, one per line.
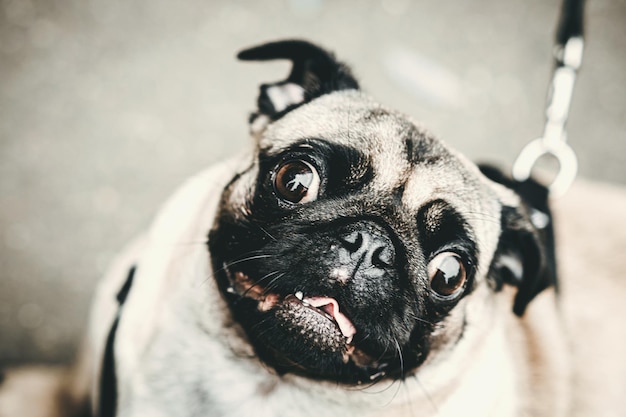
107	406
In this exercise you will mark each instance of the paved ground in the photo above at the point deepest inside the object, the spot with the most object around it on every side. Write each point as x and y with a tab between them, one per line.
107	105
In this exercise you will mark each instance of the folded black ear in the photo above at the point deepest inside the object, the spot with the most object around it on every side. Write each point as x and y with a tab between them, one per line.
525	256
314	72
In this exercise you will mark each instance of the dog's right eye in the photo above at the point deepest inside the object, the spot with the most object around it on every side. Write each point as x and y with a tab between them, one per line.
296	181
447	275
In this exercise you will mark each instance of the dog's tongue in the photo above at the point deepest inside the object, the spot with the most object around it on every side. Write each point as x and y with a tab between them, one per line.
331	307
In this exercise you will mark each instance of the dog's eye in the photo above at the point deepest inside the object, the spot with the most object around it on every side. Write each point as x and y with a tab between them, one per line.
447	275
297	182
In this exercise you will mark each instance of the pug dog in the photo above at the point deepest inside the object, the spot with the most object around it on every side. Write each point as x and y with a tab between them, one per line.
349	264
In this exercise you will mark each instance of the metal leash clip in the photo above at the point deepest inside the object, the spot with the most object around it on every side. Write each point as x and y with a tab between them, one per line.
568	54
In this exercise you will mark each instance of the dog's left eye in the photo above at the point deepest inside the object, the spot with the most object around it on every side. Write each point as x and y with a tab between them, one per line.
447	275
297	182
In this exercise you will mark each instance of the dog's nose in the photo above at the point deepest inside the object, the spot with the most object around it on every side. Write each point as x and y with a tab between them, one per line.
367	250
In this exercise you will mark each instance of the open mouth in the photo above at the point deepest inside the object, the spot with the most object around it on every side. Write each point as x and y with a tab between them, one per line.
309	333
321	306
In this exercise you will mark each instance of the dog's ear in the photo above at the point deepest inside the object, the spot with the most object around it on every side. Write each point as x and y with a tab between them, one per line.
314	72
525	256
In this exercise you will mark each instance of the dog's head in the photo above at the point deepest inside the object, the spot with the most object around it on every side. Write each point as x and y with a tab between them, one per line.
354	245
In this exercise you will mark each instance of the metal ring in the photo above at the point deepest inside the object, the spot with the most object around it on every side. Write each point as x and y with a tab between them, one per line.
565	156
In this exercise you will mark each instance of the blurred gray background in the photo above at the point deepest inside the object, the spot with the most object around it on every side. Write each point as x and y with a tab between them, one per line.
107	105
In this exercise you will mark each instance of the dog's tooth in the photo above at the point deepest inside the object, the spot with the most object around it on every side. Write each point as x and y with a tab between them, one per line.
231	290
299	295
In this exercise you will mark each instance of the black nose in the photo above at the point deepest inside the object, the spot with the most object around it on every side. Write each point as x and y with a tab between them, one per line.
366	248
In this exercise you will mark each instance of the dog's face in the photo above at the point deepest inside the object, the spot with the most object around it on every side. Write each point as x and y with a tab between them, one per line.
355	245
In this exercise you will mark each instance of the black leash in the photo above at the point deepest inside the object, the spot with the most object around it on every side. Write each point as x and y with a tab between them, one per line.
568	54
107	406
571	22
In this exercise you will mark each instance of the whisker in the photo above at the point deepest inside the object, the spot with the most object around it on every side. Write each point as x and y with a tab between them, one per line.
375	383
421	320
269	286
266	276
250	258
258	283
259	324
399	381
228	265
266	232
427	395
415	316
399	350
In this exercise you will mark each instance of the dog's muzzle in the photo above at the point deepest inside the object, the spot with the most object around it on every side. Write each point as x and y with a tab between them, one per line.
329	301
